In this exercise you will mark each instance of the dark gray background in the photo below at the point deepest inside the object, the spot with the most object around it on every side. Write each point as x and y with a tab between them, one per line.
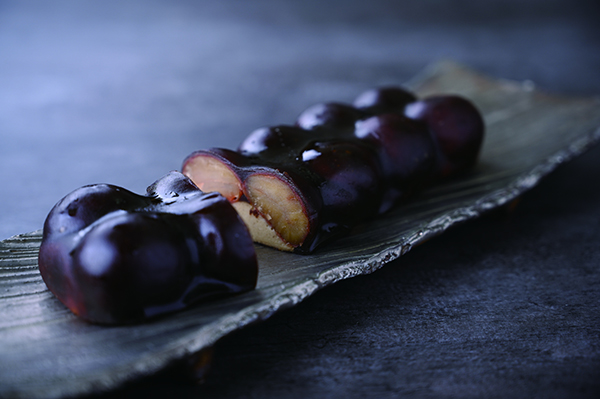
121	91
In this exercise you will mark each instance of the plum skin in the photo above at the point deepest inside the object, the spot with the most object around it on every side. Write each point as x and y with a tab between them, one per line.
115	257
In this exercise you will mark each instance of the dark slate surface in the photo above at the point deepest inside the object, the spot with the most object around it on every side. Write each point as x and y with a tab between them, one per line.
120	92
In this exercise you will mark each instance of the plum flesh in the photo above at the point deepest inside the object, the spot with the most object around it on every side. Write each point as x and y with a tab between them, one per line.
113	257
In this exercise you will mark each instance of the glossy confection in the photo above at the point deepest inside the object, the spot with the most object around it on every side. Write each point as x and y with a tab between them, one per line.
112	256
297	186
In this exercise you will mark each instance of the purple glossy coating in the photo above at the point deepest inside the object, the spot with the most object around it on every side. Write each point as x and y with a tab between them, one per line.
351	187
406	153
384	100
349	162
456	127
332	116
112	256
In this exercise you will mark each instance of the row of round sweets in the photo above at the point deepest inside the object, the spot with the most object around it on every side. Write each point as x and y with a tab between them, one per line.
113	256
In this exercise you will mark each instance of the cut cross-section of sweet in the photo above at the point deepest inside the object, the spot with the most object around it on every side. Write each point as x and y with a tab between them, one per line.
210	174
261	230
273	196
298	186
268	200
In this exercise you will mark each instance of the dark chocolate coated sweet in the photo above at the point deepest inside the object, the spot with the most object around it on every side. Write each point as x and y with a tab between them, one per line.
112	256
340	164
